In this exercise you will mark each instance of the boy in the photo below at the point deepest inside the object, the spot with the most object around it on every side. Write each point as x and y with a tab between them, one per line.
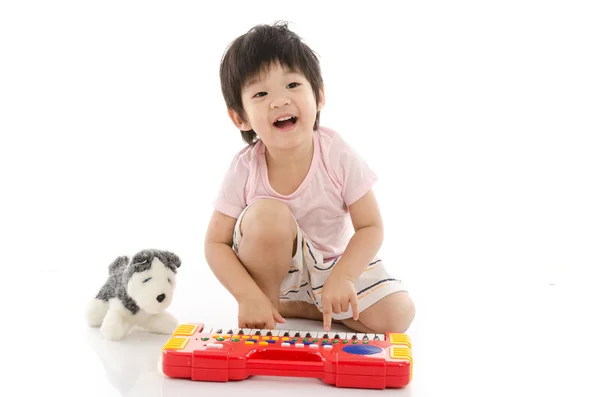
296	227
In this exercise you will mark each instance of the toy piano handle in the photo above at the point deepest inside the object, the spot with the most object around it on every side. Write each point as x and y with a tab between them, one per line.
285	362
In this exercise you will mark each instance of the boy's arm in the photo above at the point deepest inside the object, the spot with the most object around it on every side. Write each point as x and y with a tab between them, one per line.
366	241
338	292
223	261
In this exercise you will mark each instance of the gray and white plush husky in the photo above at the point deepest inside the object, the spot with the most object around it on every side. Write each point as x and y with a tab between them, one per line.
137	292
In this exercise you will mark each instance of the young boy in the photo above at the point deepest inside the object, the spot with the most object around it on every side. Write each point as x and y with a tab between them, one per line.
296	227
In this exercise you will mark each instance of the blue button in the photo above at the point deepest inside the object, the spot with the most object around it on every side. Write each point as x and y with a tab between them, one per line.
270	341
362	349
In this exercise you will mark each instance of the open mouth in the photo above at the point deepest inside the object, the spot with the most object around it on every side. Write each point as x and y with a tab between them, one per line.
286	122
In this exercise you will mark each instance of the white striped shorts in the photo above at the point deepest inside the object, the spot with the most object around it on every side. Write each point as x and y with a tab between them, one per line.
308	272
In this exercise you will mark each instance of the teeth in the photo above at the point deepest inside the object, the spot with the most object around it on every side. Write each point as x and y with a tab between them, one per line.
285	118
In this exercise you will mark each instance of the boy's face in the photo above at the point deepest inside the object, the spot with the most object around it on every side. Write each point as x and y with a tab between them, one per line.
279	94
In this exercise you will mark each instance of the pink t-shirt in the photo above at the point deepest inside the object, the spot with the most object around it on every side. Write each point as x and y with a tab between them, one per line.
337	177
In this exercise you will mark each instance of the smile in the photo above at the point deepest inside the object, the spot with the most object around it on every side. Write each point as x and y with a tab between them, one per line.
285	123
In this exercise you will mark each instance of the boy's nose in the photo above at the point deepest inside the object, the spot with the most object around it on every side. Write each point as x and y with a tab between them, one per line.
281	102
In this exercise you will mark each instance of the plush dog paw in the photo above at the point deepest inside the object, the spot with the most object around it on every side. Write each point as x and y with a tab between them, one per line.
114	327
162	323
95	312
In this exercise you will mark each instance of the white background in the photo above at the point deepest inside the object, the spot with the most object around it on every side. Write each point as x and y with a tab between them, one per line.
480	118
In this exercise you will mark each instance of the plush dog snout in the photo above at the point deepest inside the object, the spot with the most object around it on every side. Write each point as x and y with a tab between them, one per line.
160	297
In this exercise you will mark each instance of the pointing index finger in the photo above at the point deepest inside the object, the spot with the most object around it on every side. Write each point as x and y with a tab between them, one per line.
354	303
327	317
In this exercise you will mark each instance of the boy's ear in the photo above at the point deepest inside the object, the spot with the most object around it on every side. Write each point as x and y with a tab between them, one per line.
321	103
237	120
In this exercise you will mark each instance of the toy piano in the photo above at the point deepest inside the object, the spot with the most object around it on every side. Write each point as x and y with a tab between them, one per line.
355	360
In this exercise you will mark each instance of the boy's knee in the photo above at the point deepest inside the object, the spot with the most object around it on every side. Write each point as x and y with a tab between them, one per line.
268	221
403	313
394	313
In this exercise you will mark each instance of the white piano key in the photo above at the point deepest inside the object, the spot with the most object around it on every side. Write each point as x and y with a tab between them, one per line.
246	331
236	331
254	332
293	333
379	336
263	332
340	335
371	336
322	335
350	335
361	336
285	332
274	332
309	334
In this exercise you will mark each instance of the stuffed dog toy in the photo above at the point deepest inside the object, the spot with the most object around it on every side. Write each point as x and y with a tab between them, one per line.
137	292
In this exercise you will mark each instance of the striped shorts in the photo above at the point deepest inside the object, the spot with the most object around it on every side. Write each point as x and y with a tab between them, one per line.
308	272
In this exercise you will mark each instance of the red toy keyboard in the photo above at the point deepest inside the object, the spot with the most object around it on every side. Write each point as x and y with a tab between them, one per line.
370	361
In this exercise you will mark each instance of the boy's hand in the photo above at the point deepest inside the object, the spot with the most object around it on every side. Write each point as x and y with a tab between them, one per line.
338	295
257	311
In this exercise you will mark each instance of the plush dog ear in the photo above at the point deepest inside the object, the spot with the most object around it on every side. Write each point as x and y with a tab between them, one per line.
171	260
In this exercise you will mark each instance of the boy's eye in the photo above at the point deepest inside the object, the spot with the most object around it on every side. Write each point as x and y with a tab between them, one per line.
146	280
260	94
293	85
